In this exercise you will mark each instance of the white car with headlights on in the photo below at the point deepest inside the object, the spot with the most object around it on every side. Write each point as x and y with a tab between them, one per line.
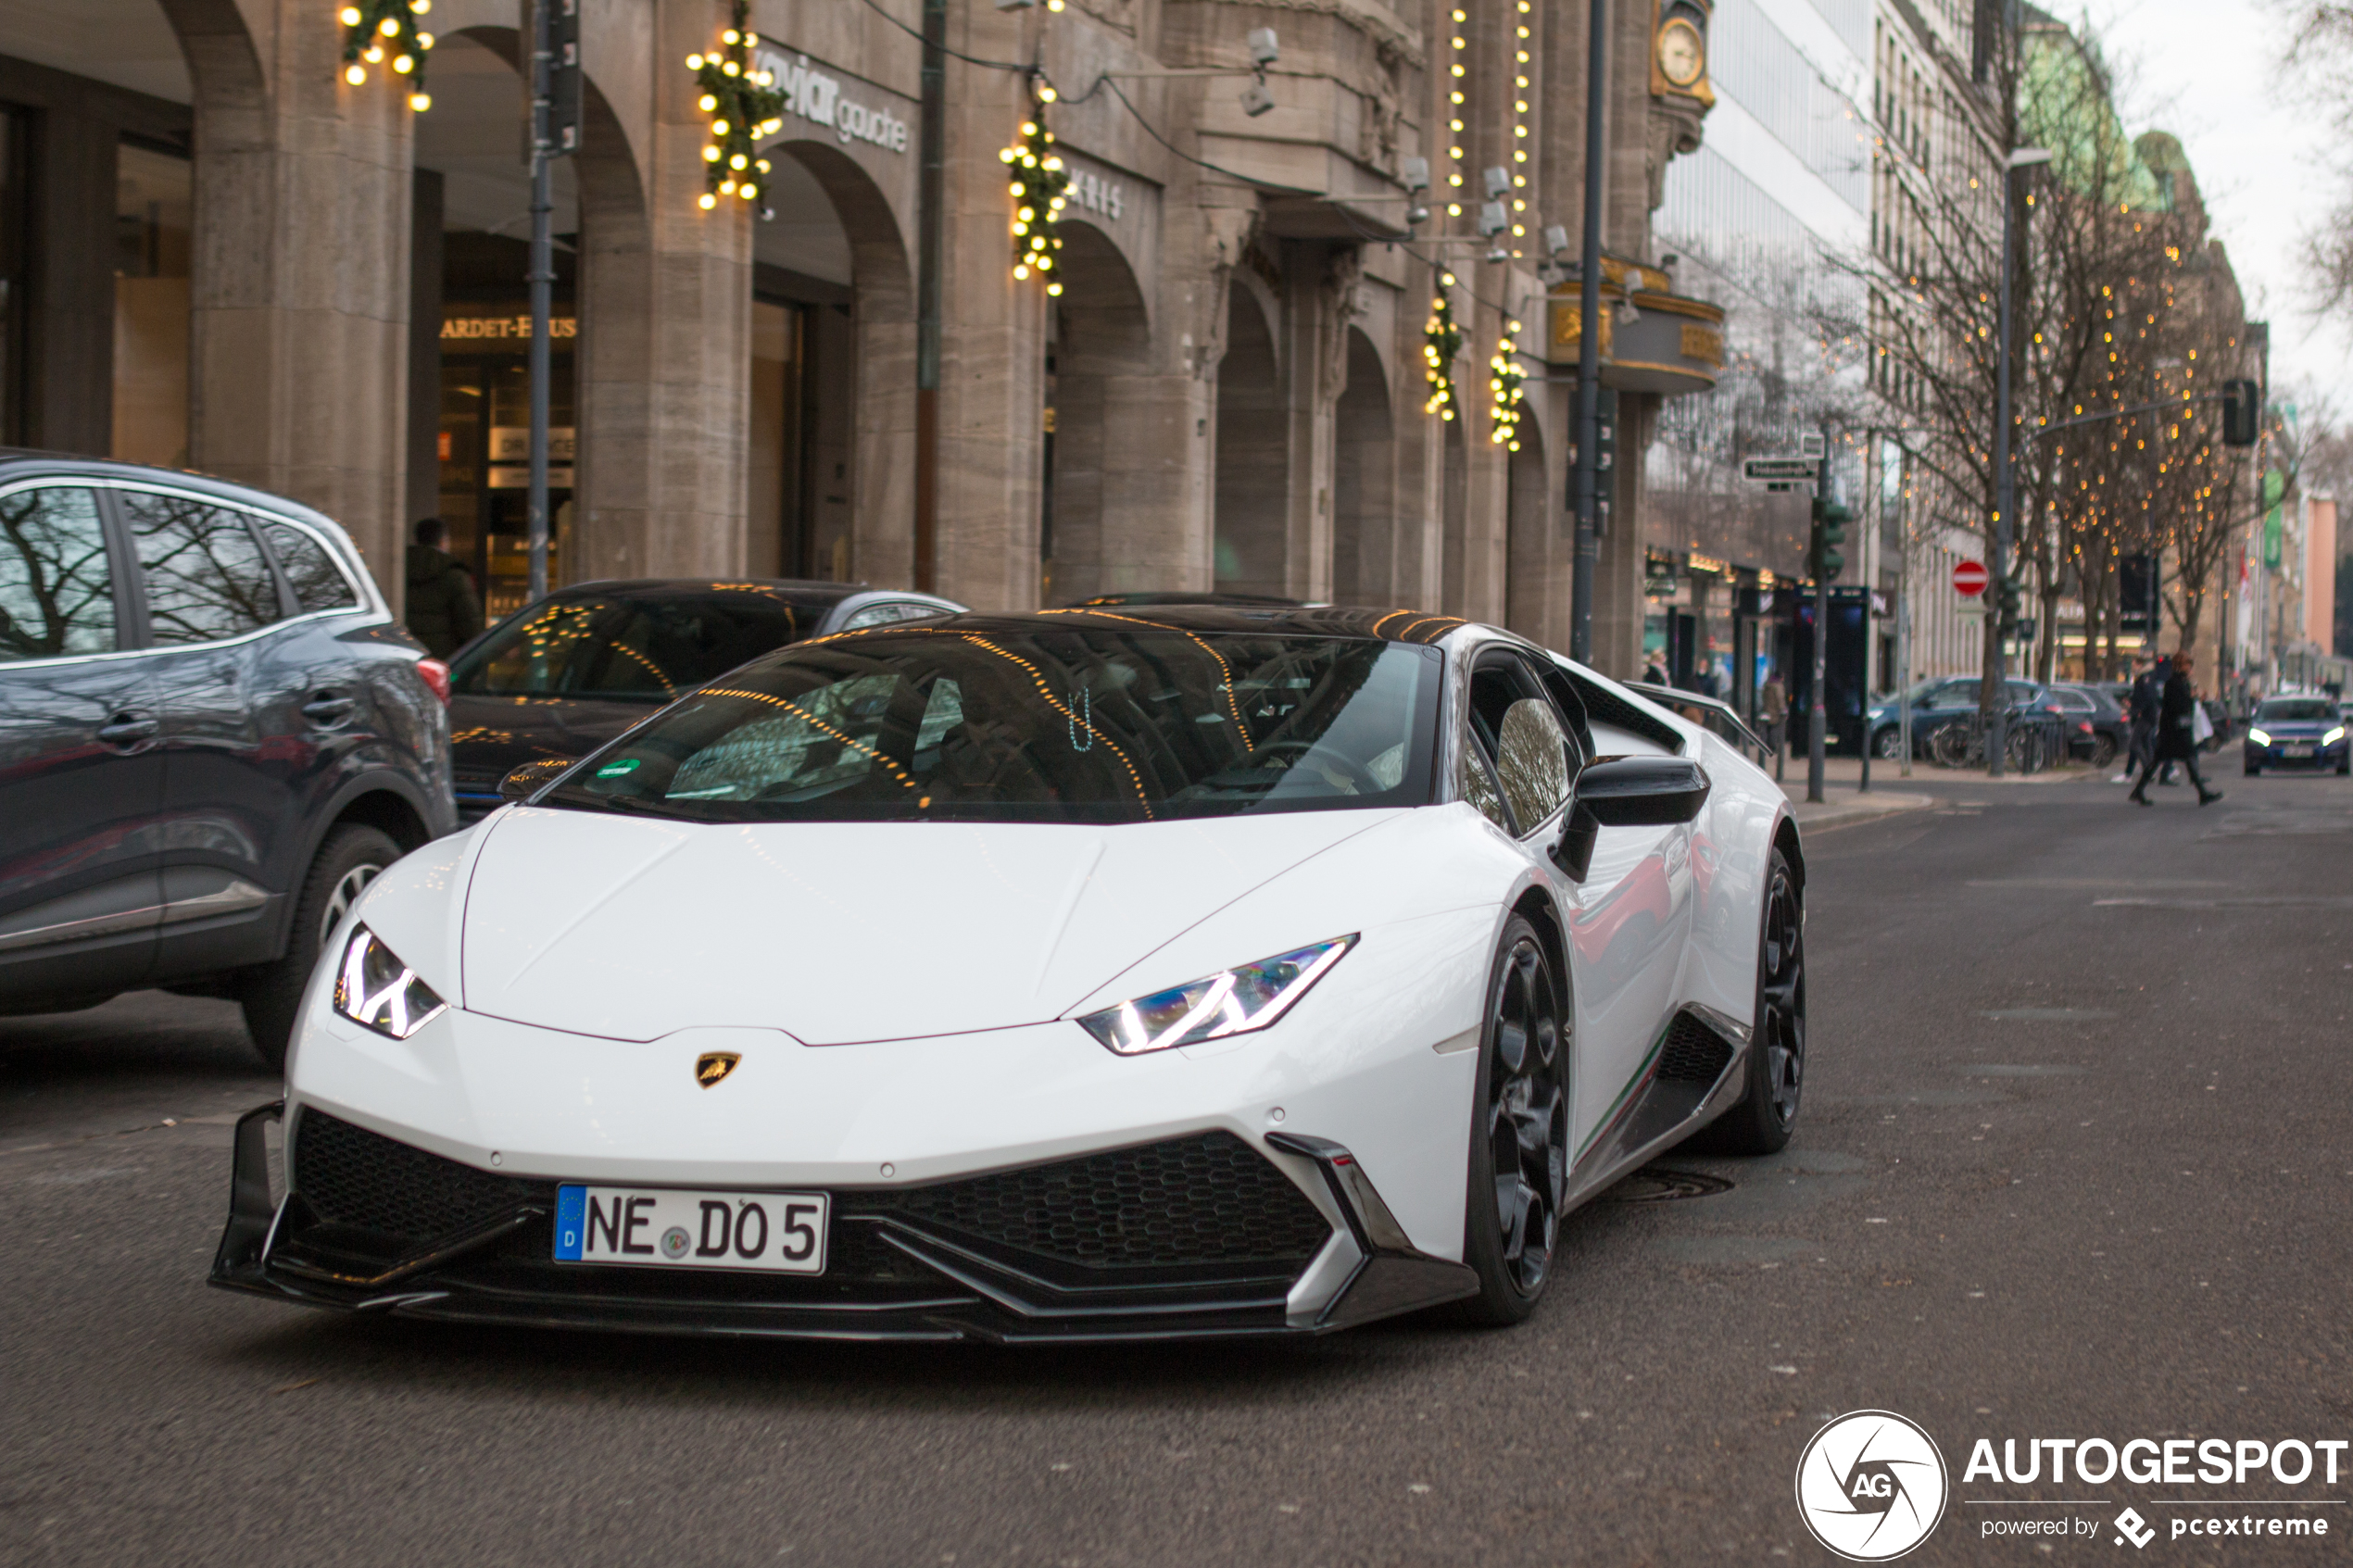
1125	974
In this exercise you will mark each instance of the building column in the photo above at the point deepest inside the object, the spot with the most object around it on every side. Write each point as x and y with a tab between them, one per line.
664	356
992	376
298	282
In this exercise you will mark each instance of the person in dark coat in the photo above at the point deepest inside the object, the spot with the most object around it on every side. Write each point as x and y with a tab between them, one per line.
2141	706
443	610
2176	734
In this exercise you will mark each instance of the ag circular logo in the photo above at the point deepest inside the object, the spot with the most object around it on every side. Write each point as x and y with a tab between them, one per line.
675	1242
1871	1486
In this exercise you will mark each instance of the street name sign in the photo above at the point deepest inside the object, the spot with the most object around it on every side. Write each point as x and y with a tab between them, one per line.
1968	578
1767	469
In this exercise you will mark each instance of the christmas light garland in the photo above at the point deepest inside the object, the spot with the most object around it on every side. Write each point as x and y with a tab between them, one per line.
373	30
743	104
1441	340
1504	380
1519	129
1038	186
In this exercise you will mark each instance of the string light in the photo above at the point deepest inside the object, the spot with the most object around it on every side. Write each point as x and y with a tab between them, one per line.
1036	187
1504	382
381	31
1441	340
1457	45
744	105
1519	127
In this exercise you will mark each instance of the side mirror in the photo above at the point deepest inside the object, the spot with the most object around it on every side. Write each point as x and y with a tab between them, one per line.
1626	792
522	781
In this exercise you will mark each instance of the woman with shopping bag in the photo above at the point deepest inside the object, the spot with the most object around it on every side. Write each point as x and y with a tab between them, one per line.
2177	737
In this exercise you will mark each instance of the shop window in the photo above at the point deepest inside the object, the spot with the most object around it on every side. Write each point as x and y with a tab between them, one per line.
485	442
154	206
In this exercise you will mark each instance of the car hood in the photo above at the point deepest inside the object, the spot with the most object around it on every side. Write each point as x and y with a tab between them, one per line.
2295	729
840	933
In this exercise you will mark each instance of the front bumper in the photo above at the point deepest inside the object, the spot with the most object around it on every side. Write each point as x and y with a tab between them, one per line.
2324	759
1192	1236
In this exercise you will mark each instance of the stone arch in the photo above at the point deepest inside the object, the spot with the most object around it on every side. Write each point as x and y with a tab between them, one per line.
1253	449
873	540
1364	482
1101	470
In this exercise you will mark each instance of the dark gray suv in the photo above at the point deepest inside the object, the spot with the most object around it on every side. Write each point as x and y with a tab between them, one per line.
212	735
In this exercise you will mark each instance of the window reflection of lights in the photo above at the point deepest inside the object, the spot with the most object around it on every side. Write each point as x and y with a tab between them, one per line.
816	723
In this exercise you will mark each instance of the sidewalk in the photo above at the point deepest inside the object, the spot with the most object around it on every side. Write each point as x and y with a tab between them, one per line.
1844	803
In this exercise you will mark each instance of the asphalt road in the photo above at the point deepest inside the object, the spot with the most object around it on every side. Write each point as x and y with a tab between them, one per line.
2073	1164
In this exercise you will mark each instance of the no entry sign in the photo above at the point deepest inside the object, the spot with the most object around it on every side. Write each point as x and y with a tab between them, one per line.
1968	578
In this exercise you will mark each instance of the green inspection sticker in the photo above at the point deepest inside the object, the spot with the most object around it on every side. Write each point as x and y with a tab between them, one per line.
616	770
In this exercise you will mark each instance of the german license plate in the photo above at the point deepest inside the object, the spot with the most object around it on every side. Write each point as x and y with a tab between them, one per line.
775	1233
2295	752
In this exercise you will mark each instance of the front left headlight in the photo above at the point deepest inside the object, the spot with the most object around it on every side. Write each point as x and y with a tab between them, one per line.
375	989
2333	736
1232	1001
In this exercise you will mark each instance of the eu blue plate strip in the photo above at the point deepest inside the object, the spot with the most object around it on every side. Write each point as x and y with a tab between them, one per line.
570	1204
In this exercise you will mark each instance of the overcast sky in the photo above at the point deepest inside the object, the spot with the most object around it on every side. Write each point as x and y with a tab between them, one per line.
2213	73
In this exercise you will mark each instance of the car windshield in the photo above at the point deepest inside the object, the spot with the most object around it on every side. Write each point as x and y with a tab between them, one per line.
2296	710
634	646
1035	723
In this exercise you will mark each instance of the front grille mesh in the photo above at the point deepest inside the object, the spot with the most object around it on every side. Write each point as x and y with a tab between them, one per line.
1693	1053
1209	1198
351	1176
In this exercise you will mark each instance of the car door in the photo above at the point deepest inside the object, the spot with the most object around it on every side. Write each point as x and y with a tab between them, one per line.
81	758
241	728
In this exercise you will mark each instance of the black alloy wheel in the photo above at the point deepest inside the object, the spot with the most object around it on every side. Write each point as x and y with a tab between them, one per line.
1519	1132
2103	751
1767	1114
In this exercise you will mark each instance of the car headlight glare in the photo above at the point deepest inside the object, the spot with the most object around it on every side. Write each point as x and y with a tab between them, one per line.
375	988
2333	736
1232	1001
2259	737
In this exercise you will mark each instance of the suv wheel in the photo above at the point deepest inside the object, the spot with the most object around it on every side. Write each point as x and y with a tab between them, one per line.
349	860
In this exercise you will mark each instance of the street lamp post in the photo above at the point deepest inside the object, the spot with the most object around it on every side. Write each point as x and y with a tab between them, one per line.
2004	484
1586	488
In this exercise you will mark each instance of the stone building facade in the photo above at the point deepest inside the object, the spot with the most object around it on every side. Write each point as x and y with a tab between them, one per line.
317	289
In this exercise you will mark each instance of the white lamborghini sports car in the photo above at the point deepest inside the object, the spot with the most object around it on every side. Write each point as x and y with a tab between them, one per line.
1131	973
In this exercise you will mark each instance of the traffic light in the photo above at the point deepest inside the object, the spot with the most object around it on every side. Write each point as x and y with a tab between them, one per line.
1823	563
2242	412
2008	600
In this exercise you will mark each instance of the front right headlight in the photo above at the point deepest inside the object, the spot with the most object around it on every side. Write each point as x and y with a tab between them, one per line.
1232	1001
375	989
2259	737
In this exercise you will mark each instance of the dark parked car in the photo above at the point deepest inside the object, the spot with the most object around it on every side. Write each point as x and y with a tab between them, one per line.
2097	730
213	736
2297	732
1936	703
560	678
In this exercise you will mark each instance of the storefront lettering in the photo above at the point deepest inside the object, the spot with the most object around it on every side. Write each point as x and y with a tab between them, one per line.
1095	194
502	327
816	97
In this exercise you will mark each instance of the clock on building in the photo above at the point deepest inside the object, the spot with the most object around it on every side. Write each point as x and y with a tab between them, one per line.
1681	53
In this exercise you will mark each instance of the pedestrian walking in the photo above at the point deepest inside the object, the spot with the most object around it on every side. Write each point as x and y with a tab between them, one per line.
1654	672
2141	706
1772	707
442	611
2176	739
